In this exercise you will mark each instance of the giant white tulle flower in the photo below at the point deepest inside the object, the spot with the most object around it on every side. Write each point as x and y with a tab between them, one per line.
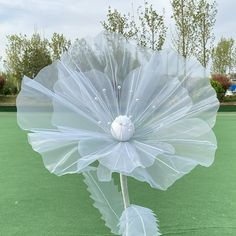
120	108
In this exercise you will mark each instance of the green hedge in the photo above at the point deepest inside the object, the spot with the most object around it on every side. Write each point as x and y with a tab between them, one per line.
7	108
223	108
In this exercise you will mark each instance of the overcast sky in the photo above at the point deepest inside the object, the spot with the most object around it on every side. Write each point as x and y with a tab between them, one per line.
79	18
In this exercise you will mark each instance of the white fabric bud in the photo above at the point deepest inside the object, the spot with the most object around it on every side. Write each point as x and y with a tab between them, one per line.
122	128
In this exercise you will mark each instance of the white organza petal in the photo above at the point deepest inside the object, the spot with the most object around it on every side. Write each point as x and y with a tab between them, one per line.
70	86
38	107
130	155
121	157
85	95
191	138
205	103
92	149
124	158
173	64
189	152
92	91
173	90
103	173
116	156
107	56
142	86
168	112
162	175
149	150
58	150
34	102
108	53
198	149
105	92
169	168
187	128
165	99
192	76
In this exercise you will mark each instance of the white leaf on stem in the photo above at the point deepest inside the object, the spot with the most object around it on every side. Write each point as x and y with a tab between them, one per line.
138	221
107	199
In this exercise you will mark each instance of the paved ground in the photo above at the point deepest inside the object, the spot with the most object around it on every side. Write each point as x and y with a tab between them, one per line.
36	203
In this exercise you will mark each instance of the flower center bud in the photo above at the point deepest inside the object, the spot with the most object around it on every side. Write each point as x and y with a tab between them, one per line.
122	128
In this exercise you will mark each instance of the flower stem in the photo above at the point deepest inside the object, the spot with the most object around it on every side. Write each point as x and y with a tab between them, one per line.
124	190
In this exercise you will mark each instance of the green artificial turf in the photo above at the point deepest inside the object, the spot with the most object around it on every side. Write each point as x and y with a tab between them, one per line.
34	202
